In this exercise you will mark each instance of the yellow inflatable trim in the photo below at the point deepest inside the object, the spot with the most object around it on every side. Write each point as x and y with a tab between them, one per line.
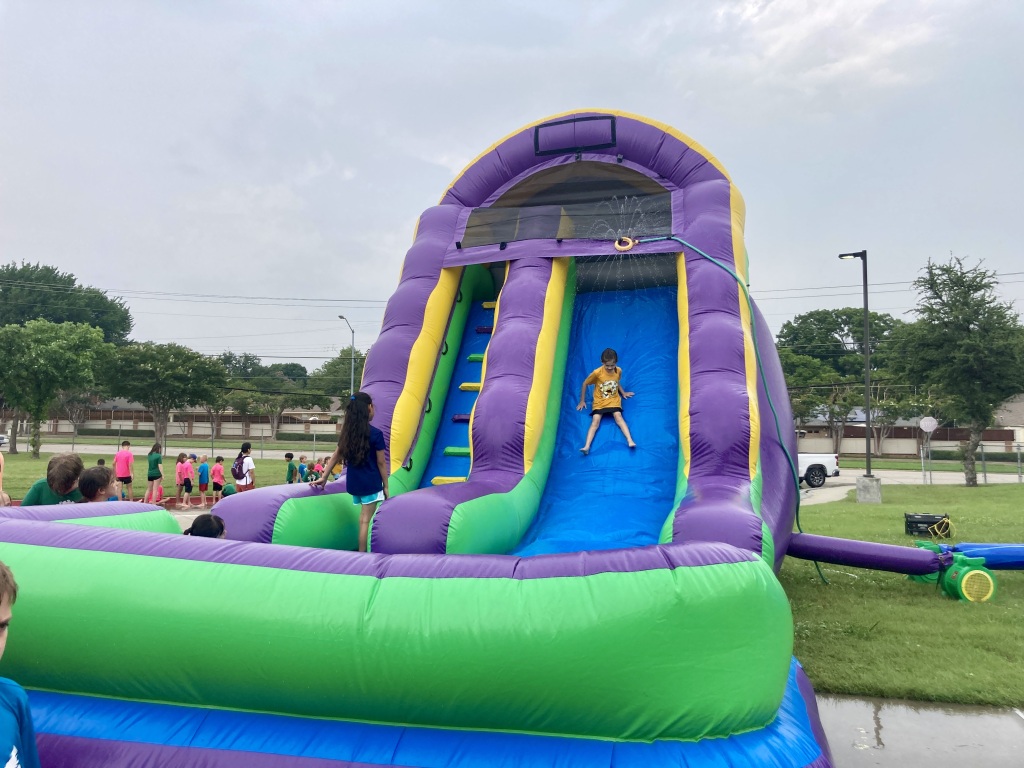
440	480
544	361
422	359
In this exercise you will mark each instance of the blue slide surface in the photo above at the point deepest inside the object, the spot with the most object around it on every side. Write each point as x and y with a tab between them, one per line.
615	497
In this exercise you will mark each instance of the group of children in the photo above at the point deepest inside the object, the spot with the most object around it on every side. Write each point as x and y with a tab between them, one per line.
186	477
185	473
68	480
304	471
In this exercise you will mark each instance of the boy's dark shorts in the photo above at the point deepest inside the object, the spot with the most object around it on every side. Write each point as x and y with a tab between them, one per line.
125	480
203	487
606	411
218	487
188	485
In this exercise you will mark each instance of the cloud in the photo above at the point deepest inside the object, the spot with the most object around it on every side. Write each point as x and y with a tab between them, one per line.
267	147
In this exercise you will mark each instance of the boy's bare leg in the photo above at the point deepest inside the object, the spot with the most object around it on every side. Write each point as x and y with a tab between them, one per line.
595	422
625	430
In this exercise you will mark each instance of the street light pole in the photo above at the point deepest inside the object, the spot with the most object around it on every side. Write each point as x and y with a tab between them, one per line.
352	359
863	256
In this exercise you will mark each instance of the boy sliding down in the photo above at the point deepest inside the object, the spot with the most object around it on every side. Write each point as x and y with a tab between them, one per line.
607	381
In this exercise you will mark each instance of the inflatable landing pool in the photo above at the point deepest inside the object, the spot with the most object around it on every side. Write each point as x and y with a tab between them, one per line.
523	604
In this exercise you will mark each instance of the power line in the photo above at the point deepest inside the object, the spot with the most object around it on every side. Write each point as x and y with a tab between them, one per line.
28	285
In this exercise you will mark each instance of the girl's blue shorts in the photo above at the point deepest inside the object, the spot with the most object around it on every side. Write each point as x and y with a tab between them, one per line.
373	497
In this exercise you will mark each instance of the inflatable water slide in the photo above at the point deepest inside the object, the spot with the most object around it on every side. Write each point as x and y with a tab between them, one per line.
523	604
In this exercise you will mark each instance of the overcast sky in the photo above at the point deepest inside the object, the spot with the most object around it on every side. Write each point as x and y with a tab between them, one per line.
285	150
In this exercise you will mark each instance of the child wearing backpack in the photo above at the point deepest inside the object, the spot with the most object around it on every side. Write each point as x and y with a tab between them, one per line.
244	469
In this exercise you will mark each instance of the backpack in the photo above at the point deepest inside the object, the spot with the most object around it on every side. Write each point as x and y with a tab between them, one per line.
236	469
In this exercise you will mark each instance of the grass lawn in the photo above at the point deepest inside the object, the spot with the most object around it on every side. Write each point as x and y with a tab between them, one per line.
914	465
20	471
874	633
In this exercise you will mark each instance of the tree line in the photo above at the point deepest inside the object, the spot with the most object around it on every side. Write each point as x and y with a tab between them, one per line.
65	346
959	360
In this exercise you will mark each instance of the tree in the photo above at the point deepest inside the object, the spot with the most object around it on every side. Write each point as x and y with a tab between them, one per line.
966	344
335	376
841	398
294	371
243	366
259	390
164	377
807	380
891	400
40	359
836	338
7	405
215	405
271	395
35	291
74	405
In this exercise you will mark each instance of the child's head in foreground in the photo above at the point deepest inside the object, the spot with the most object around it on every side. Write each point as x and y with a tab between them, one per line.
8	594
207	526
62	472
96	484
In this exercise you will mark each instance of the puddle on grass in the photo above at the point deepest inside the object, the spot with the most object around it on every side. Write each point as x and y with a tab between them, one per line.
908	734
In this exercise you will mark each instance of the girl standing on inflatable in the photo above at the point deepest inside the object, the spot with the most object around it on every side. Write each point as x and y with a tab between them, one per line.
361	450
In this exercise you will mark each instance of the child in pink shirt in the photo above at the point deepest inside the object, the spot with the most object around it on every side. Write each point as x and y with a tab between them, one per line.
124	469
179	477
217	477
188	474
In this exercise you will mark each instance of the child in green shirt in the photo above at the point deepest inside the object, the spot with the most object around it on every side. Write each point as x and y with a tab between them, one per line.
60	484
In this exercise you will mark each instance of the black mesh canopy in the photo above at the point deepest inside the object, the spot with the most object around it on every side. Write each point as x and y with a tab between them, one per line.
582	200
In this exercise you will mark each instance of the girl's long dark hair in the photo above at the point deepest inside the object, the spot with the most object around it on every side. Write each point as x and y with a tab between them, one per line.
155	449
354	442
